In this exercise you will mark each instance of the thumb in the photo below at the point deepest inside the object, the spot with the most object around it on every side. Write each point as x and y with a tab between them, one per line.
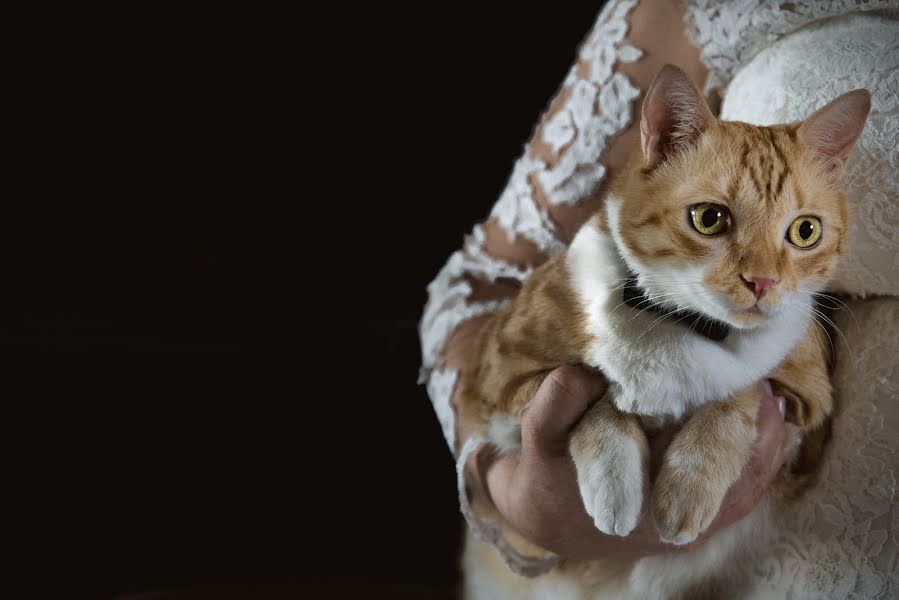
560	402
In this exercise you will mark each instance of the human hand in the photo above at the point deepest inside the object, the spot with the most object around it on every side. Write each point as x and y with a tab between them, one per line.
536	491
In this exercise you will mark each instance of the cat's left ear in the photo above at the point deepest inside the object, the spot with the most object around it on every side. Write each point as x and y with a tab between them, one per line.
833	130
674	115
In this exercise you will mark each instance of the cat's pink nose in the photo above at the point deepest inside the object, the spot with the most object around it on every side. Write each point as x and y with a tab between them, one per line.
759	284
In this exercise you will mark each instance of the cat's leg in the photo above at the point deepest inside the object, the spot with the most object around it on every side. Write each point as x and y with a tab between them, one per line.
709	453
611	454
804	381
705	458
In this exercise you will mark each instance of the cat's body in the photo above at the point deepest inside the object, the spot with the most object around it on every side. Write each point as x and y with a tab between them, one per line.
743	272
666	373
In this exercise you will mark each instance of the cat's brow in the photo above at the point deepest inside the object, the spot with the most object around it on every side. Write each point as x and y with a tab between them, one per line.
785	170
765	163
784	164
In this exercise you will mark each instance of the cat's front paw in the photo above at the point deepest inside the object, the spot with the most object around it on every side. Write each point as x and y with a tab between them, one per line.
612	486
683	505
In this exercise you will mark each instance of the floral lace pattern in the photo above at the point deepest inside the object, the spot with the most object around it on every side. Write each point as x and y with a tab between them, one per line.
841	541
598	106
579	127
732	32
777	86
448	294
517	211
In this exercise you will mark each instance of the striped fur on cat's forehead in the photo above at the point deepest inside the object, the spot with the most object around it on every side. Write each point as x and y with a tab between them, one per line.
761	174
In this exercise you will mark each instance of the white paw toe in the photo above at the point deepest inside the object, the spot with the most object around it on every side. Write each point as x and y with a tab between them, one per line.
680	539
614	505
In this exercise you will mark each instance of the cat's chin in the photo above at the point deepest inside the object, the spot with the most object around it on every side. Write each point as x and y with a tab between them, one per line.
749	318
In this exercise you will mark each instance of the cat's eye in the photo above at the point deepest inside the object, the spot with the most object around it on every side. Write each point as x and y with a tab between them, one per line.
710	219
805	232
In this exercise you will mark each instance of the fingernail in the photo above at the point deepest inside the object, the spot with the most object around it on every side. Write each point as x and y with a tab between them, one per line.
782	406
767	385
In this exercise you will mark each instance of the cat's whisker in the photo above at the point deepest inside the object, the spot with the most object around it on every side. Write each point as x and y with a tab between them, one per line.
639	305
815	332
681	319
656	279
668	313
838	330
620	286
820	332
841	305
827	319
648	300
653	324
669	297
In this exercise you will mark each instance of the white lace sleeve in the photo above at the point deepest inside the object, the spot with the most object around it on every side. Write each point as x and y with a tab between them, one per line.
597	107
596	104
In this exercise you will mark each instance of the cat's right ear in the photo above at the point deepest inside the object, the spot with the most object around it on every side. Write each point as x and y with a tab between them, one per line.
833	130
674	115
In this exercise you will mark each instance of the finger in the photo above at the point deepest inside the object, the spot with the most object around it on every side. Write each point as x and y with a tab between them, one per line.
767	452
559	404
766	458
498	473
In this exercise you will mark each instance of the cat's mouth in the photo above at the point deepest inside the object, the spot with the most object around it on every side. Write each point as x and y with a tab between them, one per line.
748	317
738	315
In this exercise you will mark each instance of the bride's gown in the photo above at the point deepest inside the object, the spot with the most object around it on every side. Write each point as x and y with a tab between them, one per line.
772	62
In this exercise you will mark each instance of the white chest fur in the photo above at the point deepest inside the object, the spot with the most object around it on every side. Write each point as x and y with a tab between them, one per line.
658	367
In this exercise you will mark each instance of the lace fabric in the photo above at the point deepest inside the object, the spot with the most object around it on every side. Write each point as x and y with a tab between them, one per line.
597	105
730	33
579	127
841	540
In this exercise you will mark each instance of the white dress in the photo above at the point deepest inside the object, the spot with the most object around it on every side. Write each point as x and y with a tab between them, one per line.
773	62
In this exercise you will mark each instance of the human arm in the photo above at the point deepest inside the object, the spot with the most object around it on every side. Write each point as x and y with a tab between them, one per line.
582	140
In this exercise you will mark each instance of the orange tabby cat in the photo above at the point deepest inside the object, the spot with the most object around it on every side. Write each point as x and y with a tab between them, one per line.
696	280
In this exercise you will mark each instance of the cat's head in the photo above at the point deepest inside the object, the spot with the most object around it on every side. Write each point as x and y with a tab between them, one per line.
734	220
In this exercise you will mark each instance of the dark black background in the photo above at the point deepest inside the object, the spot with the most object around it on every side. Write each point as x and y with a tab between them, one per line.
217	237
